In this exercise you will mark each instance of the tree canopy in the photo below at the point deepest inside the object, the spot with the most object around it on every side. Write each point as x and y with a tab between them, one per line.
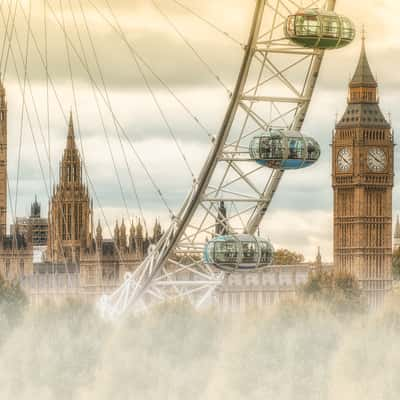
396	264
338	290
287	257
12	300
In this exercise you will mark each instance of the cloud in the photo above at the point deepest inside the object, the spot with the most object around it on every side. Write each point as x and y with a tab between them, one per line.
157	41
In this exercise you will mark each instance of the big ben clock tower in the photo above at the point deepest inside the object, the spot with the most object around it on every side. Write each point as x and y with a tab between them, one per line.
362	179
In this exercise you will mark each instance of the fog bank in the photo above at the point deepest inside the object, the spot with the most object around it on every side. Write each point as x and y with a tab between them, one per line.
294	351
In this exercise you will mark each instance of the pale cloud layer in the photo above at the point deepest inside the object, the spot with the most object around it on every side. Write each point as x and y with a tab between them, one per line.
303	204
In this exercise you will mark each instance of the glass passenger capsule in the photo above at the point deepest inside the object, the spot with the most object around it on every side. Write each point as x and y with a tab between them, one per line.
284	150
319	29
238	253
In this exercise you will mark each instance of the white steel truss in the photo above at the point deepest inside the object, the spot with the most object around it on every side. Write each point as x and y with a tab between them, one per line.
273	90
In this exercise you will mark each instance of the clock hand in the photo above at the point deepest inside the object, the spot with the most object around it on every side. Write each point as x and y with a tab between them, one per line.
377	159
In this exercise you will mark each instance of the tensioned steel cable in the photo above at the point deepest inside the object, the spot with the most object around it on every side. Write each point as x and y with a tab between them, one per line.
39	52
4	65
20	83
38	154
6	27
104	128
209	23
81	139
100	114
71	79
3	68
5	57
14	206
28	117
46	66
133	50
156	102
66	120
136	194
59	103
25	63
186	41
137	155
19	47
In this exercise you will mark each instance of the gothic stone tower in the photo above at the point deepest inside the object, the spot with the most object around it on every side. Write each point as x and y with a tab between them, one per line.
16	251
71	210
362	154
3	161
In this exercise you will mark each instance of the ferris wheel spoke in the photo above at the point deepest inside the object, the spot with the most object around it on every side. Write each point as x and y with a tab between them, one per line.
261	122
238	178
197	229
276	11
223	193
280	74
181	268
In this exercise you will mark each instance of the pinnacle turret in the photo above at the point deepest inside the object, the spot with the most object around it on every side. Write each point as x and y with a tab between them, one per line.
71	133
397	229
35	209
318	259
139	230
99	231
122	235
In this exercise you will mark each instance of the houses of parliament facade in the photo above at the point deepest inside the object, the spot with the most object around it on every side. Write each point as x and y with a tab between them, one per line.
73	244
72	238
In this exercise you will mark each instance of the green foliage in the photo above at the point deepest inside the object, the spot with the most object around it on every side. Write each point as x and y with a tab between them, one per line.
396	264
340	291
12	301
287	257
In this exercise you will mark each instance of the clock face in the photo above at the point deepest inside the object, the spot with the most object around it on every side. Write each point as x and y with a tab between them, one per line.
376	160
345	160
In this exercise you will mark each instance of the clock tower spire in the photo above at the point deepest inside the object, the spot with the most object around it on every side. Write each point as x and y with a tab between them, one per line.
362	181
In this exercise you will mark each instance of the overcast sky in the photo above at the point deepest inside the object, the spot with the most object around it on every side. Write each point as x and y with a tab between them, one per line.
301	215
